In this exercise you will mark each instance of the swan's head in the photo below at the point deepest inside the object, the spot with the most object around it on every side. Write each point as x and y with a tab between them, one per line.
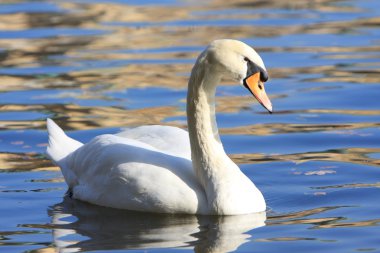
235	59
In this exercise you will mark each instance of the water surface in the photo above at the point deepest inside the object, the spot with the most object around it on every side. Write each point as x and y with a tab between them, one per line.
98	66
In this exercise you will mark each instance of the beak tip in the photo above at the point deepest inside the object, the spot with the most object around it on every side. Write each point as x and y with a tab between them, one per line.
269	108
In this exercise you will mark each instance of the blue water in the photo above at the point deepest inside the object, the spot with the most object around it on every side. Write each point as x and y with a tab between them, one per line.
98	66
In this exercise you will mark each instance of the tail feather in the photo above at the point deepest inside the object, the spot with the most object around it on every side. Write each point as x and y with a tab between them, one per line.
60	145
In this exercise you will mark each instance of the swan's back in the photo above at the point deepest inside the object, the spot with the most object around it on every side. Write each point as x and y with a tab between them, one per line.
172	140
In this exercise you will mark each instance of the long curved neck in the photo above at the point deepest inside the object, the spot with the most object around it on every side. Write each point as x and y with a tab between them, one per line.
209	159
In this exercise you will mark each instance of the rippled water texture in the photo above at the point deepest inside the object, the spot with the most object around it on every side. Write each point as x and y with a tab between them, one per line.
97	66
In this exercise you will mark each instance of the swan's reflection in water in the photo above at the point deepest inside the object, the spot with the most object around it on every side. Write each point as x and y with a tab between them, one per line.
105	229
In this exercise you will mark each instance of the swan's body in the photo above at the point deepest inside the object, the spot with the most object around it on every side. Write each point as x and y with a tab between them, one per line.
166	169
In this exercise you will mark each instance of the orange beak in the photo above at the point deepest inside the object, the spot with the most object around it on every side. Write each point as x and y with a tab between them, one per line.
256	87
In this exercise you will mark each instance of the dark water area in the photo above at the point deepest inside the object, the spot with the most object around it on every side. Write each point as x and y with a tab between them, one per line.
99	66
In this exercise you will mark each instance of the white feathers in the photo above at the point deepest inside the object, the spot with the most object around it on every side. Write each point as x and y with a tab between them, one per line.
166	138
165	169
60	145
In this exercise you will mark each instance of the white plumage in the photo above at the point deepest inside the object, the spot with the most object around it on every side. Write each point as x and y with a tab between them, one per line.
161	168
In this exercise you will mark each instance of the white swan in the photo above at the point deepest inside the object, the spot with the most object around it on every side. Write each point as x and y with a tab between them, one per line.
165	169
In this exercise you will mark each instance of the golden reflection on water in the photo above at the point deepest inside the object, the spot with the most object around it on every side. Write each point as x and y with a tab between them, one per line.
22	52
349	155
316	223
25	162
277	128
74	117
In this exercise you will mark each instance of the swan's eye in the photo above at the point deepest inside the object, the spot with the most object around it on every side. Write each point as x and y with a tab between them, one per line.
246	59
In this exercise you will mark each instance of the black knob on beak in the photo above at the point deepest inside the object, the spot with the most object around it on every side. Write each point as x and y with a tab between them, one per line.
263	75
